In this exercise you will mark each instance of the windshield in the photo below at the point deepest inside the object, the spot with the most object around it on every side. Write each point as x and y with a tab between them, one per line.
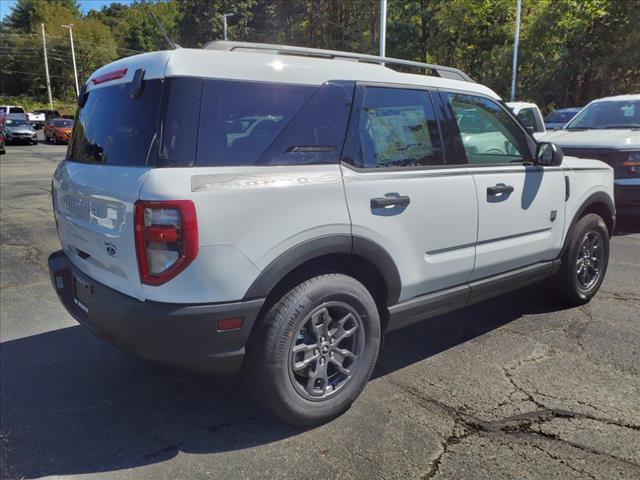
561	116
16	123
63	123
608	114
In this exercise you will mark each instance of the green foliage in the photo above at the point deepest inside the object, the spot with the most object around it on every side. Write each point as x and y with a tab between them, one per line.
30	103
571	51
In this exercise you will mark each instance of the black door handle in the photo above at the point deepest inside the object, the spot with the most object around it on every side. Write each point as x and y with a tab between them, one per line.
382	202
500	188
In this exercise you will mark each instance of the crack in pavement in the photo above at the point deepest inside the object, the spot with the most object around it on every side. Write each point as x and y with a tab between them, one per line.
521	424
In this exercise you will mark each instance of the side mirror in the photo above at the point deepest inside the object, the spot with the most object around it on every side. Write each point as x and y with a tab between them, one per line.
548	154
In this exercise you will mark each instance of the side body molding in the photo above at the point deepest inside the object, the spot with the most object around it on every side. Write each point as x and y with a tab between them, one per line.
328	245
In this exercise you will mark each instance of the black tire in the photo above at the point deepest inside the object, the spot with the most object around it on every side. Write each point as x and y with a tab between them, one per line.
274	376
55	140
569	288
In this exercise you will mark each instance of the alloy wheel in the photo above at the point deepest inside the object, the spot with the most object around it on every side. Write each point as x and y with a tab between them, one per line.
589	260
326	351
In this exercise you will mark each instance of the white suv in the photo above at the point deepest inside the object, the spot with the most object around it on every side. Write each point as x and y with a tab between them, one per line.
364	200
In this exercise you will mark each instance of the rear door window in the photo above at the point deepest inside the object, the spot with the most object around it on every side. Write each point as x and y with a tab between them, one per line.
240	120
394	127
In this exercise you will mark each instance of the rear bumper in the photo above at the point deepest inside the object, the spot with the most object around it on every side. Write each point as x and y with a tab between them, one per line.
627	196
176	334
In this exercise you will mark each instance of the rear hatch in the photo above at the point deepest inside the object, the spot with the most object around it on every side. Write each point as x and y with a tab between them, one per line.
95	189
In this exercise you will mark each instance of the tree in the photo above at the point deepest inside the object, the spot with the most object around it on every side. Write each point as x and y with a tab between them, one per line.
200	20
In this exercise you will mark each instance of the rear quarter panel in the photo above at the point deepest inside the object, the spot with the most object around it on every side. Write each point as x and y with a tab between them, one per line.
247	216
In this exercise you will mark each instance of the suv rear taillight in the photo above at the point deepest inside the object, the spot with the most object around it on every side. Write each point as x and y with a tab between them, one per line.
166	235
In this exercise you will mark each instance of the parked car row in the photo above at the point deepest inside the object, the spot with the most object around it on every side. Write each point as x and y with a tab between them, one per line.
15	128
37	118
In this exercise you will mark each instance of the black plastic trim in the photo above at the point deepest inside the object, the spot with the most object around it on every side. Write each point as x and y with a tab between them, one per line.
327	245
178	334
437	303
598	197
506	282
427	306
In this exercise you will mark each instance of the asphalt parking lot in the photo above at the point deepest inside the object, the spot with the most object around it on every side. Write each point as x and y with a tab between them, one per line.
511	388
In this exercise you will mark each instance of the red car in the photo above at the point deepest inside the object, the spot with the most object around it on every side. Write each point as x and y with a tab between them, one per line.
58	130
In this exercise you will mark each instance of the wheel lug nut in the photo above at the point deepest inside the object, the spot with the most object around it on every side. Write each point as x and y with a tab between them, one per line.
316	352
322	339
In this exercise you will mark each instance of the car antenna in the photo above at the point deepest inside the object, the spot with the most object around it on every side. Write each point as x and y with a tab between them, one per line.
170	42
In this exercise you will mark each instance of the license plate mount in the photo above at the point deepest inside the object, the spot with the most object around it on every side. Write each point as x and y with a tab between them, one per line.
82	291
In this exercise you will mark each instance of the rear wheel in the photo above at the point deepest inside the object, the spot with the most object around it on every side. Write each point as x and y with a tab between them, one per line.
313	352
584	262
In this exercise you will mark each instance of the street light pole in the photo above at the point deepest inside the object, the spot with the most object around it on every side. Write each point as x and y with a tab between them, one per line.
73	56
383	27
516	40
224	19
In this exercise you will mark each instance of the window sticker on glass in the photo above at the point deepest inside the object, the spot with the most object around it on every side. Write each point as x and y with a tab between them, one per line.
400	133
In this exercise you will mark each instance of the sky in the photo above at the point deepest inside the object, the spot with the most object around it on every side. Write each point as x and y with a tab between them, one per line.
85	5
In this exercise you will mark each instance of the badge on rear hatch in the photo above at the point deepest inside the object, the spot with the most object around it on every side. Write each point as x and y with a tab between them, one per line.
111	249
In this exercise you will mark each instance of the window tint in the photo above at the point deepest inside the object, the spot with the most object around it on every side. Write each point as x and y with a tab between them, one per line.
527	118
239	120
114	128
16	110
178	130
489	134
316	133
396	128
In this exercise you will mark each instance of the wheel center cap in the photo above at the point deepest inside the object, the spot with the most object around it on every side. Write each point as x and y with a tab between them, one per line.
324	349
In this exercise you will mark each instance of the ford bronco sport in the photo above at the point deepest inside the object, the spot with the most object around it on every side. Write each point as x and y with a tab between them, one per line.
276	210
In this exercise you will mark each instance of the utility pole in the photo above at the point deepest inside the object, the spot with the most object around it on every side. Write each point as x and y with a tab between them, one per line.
516	40
73	56
224	19
383	27
46	66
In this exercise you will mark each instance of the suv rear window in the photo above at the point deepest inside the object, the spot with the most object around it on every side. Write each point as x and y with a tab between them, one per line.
112	128
239	120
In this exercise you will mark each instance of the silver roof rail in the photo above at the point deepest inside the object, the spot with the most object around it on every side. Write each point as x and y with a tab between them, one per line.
438	70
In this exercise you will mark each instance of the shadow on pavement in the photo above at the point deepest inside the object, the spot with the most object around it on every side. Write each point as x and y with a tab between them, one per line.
71	404
627	225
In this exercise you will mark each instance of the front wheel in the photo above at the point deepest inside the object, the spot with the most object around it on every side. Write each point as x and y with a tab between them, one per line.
584	262
313	352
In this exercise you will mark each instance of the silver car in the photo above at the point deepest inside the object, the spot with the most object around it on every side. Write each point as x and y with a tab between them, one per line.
19	130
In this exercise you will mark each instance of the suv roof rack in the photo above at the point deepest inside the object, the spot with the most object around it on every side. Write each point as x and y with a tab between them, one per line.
438	70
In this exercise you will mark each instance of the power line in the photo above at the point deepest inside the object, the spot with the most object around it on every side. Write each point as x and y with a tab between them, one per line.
32	74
